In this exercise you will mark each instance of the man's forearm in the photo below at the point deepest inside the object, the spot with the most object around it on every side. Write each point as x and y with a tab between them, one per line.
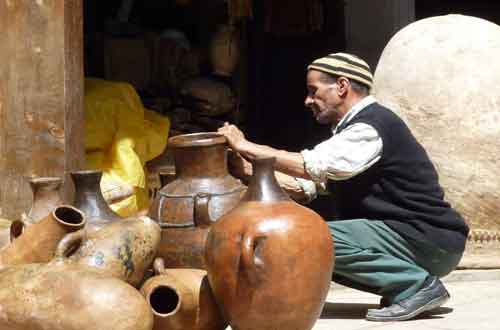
290	163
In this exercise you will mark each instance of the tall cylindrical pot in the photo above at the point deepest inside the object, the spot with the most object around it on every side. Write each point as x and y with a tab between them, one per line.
269	260
182	299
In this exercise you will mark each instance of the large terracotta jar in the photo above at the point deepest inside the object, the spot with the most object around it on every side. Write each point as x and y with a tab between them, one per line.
46	196
63	297
269	260
225	50
201	168
89	199
38	242
124	249
182	299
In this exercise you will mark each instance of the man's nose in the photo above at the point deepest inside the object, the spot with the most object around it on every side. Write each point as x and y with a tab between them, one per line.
308	101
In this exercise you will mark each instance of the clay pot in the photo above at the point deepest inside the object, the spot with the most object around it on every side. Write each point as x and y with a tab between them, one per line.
123	249
184	247
269	260
225	50
89	199
4	232
62	297
38	242
181	299
201	167
46	197
208	97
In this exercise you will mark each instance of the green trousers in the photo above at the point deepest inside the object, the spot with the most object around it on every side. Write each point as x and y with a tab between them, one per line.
372	257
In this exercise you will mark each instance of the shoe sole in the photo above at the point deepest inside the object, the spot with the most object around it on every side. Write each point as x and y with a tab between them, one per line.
427	307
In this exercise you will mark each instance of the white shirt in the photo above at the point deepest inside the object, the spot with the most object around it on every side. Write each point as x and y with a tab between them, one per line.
344	155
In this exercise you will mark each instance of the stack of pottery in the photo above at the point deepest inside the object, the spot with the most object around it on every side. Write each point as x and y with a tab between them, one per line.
201	192
63	276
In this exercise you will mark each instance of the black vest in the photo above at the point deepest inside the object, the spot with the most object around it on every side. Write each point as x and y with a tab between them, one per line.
401	188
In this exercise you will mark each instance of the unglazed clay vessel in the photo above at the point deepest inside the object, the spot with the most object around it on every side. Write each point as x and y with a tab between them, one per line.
182	299
89	199
68	297
123	249
200	167
38	242
46	197
184	247
269	260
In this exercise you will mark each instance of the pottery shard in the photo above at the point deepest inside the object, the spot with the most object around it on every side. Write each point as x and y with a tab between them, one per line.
441	75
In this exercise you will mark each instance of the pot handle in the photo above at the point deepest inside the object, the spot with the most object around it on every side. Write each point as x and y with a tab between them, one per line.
252	264
159	266
69	243
201	217
16	229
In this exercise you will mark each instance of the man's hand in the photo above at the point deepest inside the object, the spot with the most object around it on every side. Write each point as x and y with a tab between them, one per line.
239	167
234	136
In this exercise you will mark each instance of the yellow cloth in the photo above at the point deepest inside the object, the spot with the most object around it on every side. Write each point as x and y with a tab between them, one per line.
120	137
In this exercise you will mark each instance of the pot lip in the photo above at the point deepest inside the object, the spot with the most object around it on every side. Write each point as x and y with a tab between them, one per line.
199	139
70	224
45	179
177	307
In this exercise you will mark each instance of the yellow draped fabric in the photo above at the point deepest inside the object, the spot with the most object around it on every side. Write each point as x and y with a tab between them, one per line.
120	137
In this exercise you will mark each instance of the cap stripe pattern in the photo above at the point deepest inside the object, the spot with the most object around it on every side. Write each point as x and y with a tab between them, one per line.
346	65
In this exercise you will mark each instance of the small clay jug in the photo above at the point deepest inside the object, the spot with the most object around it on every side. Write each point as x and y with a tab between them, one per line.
200	167
269	260
38	242
184	246
61	297
124	249
46	196
181	299
89	199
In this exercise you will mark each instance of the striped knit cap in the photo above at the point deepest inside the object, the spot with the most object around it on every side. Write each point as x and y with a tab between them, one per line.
345	65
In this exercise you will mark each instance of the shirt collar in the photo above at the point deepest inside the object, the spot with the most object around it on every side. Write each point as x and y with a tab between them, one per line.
363	103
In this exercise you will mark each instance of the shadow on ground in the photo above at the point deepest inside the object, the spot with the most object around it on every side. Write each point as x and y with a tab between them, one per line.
358	311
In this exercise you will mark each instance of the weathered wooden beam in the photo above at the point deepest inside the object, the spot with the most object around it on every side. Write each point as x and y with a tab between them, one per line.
41	96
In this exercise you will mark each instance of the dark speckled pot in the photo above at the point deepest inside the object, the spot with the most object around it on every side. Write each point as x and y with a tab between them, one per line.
124	249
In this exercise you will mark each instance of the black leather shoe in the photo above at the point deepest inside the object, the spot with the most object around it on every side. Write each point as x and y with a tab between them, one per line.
384	302
432	295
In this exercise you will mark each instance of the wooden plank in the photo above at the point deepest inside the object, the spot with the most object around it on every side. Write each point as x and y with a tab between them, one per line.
41	91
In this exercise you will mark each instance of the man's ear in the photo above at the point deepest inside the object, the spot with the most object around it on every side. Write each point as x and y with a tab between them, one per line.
343	84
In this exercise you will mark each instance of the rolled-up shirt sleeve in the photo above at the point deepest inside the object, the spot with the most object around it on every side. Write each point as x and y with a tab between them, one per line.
345	154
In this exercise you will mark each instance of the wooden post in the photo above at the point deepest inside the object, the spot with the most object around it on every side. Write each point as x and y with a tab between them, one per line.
41	96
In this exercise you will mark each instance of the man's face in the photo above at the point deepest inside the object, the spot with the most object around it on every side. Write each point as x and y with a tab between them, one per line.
323	98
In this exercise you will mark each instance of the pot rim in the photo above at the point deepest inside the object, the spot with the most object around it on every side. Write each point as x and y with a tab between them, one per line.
177	307
199	139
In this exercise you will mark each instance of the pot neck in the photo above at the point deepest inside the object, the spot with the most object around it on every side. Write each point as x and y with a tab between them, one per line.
263	186
201	161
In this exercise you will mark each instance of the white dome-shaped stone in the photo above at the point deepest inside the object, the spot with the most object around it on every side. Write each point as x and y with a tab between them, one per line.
442	76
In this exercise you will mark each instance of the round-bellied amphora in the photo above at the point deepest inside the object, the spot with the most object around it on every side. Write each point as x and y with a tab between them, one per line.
58	296
123	249
269	260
